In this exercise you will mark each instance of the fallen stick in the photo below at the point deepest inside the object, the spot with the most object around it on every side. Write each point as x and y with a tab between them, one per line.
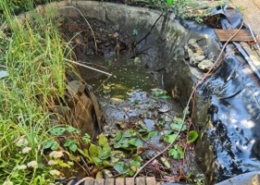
88	67
212	69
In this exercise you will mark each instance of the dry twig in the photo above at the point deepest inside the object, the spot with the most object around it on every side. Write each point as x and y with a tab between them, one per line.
88	67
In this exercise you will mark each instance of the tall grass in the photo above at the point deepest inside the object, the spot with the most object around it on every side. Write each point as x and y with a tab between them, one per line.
36	79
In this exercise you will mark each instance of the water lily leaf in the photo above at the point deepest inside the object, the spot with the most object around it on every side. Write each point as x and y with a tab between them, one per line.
177	127
102	140
153	133
129	133
97	161
93	151
150	135
118	137
104	154
159	93
176	152
117	155
121	167
165	132
136	142
165	162
134	165
123	143
137	158
192	136
170	138
177	120
135	32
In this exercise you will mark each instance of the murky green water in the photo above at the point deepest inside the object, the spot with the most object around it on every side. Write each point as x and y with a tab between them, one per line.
125	78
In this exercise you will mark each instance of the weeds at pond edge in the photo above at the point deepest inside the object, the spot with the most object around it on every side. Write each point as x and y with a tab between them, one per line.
34	60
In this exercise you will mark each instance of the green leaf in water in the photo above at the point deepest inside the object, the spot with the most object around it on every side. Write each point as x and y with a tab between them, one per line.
176	152
123	143
192	136
136	142
170	138
137	158
177	120
104	154
118	136
135	32
117	155
97	161
177	127
93	150
121	167
102	140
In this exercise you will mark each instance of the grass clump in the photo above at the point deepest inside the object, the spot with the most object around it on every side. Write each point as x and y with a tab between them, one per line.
32	54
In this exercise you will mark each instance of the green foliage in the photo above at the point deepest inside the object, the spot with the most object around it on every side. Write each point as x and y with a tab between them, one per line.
176	152
192	136
135	32
159	93
33	56
177	124
19	6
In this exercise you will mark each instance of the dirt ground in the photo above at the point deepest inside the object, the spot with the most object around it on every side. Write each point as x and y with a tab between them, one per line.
251	11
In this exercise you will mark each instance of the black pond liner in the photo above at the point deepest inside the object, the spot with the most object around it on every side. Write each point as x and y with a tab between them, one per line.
227	104
229	143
